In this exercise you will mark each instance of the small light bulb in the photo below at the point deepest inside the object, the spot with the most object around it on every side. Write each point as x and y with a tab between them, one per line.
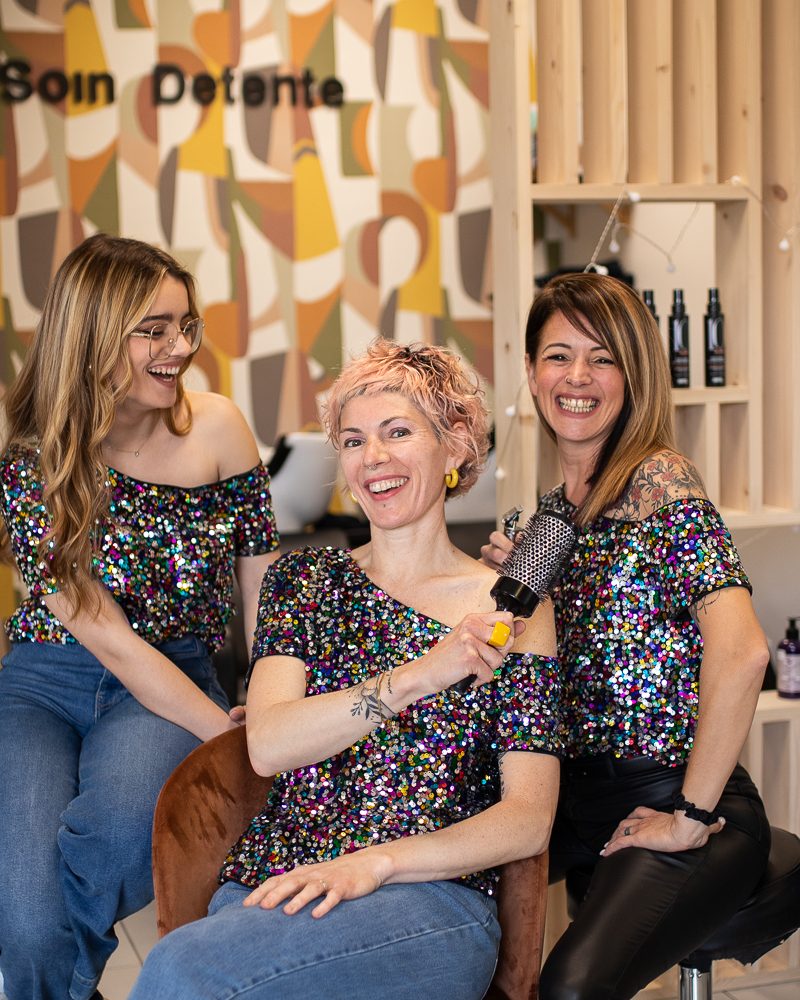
634	196
613	246
783	246
736	179
511	411
499	473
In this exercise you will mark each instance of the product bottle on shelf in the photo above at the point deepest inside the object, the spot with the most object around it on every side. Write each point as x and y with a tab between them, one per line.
649	299
788	662
714	330
679	341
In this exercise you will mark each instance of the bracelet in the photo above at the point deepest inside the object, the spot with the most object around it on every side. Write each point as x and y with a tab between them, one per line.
704	816
383	708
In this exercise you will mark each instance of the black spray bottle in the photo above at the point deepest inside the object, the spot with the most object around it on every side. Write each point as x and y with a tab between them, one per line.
649	299
714	330
679	341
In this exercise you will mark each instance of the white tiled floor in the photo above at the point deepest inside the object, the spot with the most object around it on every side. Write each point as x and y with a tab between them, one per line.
137	935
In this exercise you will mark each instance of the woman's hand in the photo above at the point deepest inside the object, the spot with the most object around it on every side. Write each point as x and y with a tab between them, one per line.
465	651
237	715
660	831
494	553
349	876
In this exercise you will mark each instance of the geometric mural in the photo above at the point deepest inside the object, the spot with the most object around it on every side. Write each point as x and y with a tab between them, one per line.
320	165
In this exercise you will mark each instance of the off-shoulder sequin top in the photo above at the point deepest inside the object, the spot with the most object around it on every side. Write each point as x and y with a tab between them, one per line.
629	651
432	765
166	553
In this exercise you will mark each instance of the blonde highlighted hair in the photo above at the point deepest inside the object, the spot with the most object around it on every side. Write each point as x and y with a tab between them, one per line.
74	376
434	380
611	314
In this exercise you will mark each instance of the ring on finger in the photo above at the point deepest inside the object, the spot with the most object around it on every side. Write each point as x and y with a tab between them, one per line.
627	832
324	885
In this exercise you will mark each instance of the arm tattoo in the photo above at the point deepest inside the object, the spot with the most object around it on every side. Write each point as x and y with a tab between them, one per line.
657	482
500	759
367	700
701	606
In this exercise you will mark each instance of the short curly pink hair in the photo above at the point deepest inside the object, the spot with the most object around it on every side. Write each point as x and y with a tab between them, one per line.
435	381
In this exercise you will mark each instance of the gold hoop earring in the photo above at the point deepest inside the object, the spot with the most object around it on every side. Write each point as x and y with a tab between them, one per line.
451	479
352	496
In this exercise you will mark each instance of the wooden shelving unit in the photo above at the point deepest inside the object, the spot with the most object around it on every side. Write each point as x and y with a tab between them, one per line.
668	100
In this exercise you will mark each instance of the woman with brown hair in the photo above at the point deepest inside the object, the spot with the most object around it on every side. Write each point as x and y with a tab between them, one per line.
660	651
128	504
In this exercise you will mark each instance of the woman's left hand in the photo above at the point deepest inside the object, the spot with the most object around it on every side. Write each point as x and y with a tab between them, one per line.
237	714
660	831
349	876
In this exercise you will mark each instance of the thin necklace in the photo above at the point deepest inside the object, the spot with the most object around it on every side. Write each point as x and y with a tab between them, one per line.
131	451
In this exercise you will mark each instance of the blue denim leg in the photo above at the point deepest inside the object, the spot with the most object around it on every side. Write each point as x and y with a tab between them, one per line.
84	765
405	941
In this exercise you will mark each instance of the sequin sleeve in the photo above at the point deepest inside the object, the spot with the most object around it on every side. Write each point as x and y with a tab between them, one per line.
528	696
694	551
255	531
286	608
26	517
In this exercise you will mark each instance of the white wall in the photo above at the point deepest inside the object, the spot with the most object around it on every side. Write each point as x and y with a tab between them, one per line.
771	557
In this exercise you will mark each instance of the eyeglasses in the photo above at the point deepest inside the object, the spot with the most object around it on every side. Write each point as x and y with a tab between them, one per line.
161	342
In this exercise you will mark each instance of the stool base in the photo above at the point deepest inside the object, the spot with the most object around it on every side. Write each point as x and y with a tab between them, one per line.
694	984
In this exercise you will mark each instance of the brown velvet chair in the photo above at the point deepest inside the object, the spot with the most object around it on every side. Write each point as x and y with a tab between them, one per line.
211	797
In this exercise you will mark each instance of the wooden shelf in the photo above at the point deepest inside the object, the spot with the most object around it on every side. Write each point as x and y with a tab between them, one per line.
704	394
588	193
668	100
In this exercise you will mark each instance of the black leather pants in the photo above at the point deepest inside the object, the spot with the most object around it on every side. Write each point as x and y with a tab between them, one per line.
644	910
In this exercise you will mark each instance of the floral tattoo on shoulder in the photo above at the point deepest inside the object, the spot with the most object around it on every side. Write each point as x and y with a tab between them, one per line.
656	482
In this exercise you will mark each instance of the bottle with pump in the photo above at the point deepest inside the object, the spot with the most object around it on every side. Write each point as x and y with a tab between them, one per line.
679	341
788	662
714	330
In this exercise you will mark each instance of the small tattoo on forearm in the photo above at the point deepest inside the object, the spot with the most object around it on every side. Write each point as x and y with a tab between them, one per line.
368	701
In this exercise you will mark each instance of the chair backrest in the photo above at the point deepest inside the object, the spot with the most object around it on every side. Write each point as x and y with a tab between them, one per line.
206	803
213	794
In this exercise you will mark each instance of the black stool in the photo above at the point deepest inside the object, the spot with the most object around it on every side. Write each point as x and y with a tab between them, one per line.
767	919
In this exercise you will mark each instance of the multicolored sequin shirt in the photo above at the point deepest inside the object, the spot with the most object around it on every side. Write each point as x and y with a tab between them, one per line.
166	553
435	763
629	651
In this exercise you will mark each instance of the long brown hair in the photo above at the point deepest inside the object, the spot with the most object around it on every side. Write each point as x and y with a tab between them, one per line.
64	399
611	314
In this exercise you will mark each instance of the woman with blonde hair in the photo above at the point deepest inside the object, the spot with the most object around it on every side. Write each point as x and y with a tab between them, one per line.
128	503
658	828
370	871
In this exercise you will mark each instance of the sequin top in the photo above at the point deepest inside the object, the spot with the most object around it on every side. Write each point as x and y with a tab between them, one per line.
166	553
628	648
435	763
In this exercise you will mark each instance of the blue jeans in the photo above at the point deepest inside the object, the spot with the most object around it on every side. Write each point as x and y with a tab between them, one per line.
409	940
82	763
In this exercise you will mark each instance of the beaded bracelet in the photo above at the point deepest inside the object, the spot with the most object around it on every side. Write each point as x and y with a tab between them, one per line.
704	816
